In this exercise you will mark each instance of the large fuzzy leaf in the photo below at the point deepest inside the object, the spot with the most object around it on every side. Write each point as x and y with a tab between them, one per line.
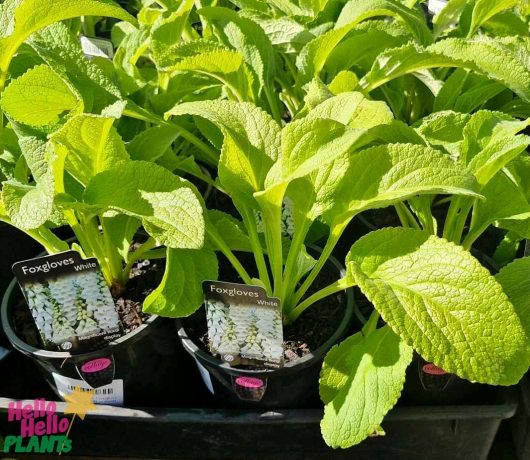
361	380
40	98
356	11
251	143
20	18
387	174
170	210
180	292
442	302
92	145
514	280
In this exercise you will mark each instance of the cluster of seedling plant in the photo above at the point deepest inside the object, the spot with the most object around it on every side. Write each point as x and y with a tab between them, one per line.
309	114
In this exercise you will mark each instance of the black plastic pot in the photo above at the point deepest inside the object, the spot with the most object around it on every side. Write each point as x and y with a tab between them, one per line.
141	367
294	385
521	422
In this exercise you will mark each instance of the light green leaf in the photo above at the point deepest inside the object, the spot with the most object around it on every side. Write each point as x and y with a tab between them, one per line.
353	109
248	38
514	280
166	33
170	210
361	380
502	60
180	292
483	10
92	144
251	143
387	174
61	50
28	206
232	230
356	11
445	129
40	98
449	16
121	229
504	200
20	18
152	143
490	142
441	301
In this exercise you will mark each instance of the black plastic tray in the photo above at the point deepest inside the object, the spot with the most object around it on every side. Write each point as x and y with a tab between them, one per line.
427	432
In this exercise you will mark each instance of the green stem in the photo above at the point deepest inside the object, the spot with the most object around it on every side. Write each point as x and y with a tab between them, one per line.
337	286
335	234
250	225
145	247
49	241
211	156
223	247
371	324
289	285
405	216
273	104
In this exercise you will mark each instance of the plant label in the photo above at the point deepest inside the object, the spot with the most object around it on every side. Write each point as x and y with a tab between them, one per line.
97	47
111	394
70	302
244	324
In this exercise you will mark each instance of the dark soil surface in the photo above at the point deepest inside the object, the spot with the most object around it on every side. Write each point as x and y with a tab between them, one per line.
310	331
144	278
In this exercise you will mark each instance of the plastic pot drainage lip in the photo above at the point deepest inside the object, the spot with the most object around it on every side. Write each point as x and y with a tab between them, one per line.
130	369
268	388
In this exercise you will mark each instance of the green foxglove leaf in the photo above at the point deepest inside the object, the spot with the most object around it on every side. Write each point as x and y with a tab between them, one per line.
92	145
439	299
166	33
356	11
383	175
180	292
504	200
20	18
40	98
28	206
120	229
232	230
445	129
514	280
251	144
361	380
483	10
491	142
61	50
248	38
170	210
152	143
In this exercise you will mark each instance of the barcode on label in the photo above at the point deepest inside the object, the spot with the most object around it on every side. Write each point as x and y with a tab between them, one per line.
97	391
109	394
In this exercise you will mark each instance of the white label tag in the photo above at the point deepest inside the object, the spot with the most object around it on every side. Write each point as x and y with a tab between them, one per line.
111	394
3	352
436	6
97	47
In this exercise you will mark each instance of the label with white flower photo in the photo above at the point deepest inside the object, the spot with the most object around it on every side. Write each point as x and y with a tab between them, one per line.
244	324
70	302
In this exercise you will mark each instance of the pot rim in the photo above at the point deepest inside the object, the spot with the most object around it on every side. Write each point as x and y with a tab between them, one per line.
201	355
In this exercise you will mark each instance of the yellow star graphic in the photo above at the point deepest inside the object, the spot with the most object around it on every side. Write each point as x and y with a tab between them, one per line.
79	402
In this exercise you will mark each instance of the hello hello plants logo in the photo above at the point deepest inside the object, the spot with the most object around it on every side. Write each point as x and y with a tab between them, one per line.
42	429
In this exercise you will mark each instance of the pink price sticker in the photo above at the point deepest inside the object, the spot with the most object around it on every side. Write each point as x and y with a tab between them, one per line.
433	369
249	382
96	365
